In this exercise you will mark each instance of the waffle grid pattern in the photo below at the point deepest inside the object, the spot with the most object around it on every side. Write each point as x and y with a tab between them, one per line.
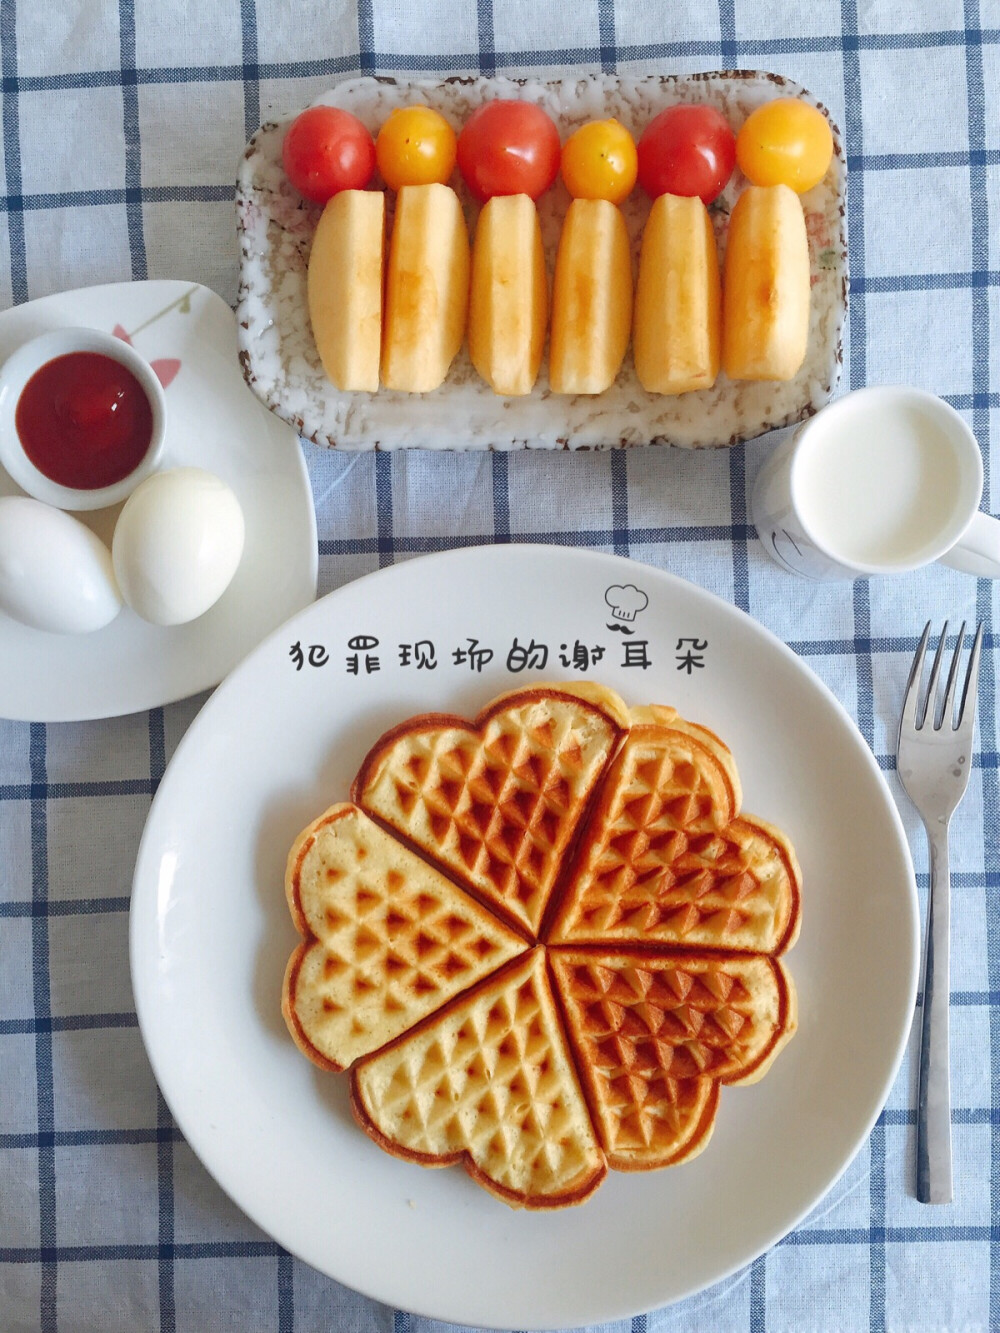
657	1036
389	940
497	809
664	859
490	1078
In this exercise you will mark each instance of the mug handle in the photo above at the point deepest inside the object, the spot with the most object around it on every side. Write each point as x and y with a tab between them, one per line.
977	551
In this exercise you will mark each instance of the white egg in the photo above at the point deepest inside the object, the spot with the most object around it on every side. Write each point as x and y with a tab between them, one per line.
177	544
55	574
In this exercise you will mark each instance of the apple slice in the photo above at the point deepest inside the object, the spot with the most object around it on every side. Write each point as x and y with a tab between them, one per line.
591	299
509	300
678	299
345	288
427	292
766	286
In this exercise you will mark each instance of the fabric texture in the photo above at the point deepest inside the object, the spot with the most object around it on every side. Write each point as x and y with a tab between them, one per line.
122	124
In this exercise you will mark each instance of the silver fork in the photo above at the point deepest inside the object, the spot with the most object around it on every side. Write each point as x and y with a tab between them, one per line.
933	759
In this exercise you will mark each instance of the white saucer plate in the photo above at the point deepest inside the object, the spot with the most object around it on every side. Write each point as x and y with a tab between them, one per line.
210	936
188	333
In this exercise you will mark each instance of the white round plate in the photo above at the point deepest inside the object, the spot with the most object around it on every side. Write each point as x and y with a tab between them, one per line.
210	936
213	421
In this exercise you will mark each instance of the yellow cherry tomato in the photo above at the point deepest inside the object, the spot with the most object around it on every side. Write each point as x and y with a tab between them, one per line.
599	161
785	142
415	146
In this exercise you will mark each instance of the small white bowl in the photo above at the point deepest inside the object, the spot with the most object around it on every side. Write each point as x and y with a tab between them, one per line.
15	373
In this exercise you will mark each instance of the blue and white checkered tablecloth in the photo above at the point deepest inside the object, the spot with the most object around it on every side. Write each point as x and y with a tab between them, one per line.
122	124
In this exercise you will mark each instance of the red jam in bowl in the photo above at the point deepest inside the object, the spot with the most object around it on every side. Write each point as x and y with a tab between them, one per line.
84	420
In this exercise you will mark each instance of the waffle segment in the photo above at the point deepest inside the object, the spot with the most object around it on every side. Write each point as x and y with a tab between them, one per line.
496	802
655	1036
388	939
489	1082
665	860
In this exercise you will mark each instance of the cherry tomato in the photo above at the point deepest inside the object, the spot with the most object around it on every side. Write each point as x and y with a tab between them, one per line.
415	146
508	148
785	142
599	162
687	150
327	150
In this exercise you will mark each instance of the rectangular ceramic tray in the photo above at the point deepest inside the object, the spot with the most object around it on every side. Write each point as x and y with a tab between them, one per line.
279	358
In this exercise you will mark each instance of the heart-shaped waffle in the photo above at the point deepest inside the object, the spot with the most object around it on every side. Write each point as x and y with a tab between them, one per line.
490	1082
388	939
664	858
655	1036
614	843
496	802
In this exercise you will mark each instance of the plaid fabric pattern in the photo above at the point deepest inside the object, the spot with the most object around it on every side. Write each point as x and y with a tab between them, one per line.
121	127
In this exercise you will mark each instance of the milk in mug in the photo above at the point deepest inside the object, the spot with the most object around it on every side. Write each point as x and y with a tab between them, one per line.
881	481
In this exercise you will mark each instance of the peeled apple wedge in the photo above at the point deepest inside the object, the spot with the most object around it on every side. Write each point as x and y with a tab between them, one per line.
765	286
427	290
345	288
591	299
677	339
509	299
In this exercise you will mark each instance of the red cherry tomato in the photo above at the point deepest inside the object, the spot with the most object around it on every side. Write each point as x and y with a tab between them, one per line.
327	150
688	150
508	148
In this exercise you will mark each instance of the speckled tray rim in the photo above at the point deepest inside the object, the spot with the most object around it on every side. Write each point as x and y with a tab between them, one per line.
809	408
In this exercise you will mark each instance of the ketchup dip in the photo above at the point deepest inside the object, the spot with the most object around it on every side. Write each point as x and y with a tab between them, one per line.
84	420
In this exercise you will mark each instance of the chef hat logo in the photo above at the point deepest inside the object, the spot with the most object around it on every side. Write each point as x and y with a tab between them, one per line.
626	601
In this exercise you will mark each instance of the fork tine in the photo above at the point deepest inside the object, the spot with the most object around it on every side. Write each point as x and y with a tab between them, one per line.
911	698
930	703
971	683
948	712
908	718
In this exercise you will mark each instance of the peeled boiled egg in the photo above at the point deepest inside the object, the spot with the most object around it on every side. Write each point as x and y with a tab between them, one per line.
177	544
55	574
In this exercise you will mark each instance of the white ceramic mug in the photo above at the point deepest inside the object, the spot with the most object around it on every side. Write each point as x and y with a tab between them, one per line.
881	481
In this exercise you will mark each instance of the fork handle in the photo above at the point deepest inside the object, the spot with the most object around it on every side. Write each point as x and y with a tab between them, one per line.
934	1182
